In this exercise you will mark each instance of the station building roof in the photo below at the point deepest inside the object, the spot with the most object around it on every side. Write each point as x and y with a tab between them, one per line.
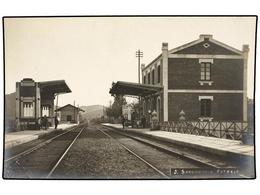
135	89
55	87
69	105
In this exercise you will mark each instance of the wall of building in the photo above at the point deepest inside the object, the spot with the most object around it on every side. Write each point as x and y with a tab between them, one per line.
68	111
184	73
157	68
181	70
48	100
26	104
10	124
225	107
153	103
213	49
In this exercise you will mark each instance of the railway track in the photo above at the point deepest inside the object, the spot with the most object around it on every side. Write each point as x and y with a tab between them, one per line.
41	160
136	155
28	150
63	155
206	163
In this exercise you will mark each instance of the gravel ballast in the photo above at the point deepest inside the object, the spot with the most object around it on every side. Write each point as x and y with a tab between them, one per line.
96	156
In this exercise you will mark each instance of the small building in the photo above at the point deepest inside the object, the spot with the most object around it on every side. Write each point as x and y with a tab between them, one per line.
127	111
69	113
205	79
34	100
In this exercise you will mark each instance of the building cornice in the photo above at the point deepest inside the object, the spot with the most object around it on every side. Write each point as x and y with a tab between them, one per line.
186	45
154	62
203	91
200	56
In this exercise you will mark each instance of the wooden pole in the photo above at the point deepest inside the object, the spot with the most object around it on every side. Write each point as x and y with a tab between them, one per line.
57	100
139	54
74	111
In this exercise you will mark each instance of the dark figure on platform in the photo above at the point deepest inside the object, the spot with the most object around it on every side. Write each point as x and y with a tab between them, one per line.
40	123
56	121
143	120
45	122
123	121
133	119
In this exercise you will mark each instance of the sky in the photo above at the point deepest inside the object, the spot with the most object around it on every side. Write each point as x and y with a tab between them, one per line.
89	53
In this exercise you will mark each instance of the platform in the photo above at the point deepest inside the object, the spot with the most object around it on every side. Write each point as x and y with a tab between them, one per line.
210	144
16	138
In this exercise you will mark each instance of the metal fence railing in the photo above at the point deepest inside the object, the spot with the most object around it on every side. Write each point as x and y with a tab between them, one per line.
220	129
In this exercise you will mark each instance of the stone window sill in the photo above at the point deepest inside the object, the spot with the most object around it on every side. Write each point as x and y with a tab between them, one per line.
205	119
206	82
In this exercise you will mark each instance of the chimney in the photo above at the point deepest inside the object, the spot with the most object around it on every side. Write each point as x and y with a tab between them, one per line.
164	46
142	66
245	48
206	36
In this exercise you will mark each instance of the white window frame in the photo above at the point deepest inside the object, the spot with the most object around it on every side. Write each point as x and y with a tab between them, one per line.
28	113
206	118
209	82
206	97
47	106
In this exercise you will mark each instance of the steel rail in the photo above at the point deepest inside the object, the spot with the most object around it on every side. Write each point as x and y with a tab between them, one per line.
30	150
172	152
64	154
180	154
136	155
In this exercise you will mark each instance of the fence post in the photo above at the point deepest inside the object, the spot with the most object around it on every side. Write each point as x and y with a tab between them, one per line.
235	130
209	133
220	130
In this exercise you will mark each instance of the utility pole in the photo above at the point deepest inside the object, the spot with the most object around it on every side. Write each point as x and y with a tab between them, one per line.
57	100
74	111
78	115
139	54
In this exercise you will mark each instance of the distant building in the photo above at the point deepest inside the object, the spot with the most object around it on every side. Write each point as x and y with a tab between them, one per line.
69	114
35	100
127	111
205	78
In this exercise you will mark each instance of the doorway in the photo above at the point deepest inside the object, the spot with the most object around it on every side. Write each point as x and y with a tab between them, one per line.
69	118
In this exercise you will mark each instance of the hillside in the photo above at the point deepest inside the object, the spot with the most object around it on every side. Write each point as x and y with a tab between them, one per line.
92	111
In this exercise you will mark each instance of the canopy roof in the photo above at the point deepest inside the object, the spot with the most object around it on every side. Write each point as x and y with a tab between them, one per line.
55	87
135	89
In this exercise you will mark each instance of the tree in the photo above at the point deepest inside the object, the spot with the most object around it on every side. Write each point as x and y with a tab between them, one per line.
115	110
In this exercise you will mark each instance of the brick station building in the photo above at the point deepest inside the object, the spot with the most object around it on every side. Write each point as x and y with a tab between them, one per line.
206	79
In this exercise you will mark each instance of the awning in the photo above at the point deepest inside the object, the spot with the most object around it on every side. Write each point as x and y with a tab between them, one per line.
135	89
55	87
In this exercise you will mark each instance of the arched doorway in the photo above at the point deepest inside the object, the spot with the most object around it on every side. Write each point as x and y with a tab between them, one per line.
158	108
